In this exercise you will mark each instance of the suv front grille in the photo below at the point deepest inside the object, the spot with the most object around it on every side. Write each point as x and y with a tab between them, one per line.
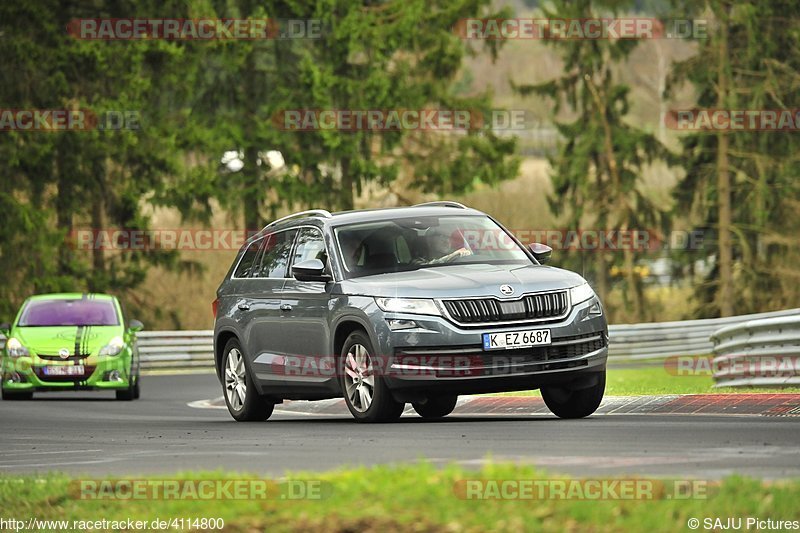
562	348
487	310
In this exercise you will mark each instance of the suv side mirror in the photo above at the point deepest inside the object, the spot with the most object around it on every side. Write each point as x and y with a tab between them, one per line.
5	329
310	270
135	325
541	252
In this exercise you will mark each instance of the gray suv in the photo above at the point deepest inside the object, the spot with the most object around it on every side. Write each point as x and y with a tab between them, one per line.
406	305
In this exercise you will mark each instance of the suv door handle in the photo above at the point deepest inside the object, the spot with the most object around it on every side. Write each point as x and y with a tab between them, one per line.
244	306
286	307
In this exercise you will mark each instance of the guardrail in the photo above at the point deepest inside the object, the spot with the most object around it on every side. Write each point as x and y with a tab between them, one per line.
181	350
176	350
657	340
764	352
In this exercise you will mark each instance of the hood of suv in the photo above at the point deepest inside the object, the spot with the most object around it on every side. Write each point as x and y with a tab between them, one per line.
458	281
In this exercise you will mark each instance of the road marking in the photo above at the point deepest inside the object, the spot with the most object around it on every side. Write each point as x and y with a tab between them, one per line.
28	452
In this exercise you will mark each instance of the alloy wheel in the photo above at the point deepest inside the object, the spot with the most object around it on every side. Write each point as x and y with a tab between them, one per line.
235	386
359	378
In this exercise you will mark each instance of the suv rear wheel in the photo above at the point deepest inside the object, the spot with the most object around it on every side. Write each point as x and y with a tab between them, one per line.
365	392
243	401
567	402
436	407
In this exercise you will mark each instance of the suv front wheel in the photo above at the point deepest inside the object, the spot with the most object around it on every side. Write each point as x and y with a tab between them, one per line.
566	402
365	392
436	407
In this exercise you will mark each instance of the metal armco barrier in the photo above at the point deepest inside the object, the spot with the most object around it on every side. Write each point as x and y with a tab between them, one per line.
656	340
764	352
176	350
182	350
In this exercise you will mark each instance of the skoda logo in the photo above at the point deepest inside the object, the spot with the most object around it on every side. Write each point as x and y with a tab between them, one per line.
506	289
63	353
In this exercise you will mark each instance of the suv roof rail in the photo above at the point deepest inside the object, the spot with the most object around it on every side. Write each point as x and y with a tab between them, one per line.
309	213
443	203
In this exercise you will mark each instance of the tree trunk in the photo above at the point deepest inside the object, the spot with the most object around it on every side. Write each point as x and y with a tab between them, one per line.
98	223
252	194
725	291
64	203
632	295
251	197
347	182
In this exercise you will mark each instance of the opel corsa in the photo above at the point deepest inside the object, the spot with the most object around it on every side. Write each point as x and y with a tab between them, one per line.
405	305
70	341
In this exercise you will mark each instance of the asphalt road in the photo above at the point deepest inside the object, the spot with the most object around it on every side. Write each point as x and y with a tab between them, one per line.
91	433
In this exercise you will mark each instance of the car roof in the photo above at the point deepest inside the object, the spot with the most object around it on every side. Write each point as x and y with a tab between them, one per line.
341	218
71	296
390	213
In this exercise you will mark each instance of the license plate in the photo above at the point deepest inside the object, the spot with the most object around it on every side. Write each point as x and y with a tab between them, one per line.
64	370
516	339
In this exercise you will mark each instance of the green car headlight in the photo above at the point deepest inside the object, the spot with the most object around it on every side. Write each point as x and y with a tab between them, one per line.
113	347
14	348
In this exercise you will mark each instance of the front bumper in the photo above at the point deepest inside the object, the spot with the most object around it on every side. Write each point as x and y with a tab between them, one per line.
27	374
439	357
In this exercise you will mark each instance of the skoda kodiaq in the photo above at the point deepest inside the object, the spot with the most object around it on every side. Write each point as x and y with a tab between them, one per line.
405	305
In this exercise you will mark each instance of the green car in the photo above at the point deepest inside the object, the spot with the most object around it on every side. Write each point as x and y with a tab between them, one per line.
70	341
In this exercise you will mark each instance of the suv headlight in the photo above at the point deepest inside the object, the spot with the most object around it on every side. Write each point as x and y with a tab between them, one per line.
113	347
419	306
581	293
15	348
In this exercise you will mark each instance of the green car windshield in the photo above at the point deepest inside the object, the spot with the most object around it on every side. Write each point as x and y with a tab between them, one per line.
42	313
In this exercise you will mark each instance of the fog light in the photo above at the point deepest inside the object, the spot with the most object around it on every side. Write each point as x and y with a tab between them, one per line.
113	376
396	324
14	377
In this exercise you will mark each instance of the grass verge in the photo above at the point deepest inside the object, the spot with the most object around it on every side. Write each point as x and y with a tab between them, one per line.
415	497
647	380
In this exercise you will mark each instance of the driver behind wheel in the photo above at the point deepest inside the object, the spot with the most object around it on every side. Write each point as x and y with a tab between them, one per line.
436	249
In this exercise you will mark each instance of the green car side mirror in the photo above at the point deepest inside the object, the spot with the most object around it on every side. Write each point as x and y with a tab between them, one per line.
5	329
135	325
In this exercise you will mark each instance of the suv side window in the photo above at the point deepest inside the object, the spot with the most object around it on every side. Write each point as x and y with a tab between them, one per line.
310	245
245	267
276	254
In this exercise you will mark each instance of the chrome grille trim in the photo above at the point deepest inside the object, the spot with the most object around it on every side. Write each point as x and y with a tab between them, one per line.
536	307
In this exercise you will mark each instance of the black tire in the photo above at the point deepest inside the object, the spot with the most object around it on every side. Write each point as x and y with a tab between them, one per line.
14	395
436	407
131	393
382	407
254	408
575	403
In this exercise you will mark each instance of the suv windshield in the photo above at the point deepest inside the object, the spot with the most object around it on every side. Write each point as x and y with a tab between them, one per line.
69	313
424	242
